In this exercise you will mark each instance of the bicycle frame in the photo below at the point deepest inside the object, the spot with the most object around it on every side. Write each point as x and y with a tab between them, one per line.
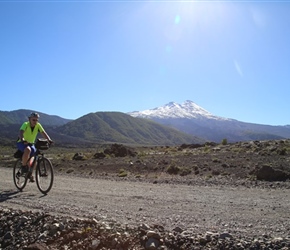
43	172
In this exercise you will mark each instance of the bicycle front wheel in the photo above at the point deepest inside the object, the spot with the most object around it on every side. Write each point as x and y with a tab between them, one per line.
19	178
44	175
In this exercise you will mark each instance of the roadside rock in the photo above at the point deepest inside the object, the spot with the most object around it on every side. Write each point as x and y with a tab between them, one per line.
119	150
267	173
41	231
78	157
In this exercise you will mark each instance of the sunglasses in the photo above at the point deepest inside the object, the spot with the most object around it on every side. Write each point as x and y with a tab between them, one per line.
35	120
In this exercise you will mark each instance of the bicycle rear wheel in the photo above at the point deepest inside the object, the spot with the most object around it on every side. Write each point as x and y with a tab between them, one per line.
20	179
44	175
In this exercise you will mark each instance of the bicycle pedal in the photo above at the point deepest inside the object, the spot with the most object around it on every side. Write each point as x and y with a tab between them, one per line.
24	169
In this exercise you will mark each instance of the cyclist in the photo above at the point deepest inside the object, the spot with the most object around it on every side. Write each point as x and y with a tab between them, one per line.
27	136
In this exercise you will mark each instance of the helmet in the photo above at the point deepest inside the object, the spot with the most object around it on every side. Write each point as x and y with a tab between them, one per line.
33	114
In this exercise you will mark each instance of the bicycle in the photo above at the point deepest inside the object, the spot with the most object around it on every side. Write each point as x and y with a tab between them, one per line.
44	173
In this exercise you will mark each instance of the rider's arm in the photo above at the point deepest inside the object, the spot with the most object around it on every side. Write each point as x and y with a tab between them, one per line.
21	132
45	135
21	138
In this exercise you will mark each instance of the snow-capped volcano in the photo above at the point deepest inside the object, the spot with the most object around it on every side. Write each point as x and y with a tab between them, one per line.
188	109
192	119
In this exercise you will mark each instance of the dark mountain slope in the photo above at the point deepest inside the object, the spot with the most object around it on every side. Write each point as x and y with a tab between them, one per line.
215	130
117	127
21	115
100	127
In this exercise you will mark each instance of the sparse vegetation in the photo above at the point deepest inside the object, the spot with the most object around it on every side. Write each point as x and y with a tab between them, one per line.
206	149
224	141
173	169
239	160
282	151
122	173
185	171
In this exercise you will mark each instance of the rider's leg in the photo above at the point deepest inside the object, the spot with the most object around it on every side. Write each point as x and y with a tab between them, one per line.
31	165
32	153
26	155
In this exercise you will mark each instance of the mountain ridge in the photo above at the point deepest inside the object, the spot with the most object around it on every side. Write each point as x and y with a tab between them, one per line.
188	109
20	115
193	119
187	118
118	127
97	128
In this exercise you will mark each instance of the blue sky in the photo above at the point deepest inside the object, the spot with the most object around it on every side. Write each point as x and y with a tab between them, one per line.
70	58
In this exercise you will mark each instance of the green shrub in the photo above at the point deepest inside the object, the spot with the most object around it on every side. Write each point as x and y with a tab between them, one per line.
224	141
173	169
122	173
282	151
206	149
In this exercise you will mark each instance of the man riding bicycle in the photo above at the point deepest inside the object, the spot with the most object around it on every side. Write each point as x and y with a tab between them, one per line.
27	136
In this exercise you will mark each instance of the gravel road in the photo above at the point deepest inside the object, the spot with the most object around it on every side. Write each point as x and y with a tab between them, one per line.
238	210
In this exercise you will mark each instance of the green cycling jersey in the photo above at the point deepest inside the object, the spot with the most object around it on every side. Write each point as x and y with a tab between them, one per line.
30	134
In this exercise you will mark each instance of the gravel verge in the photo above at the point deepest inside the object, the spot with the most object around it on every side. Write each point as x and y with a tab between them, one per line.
91	213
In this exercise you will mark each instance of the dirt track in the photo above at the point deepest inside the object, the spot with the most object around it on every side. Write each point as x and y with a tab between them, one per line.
238	210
